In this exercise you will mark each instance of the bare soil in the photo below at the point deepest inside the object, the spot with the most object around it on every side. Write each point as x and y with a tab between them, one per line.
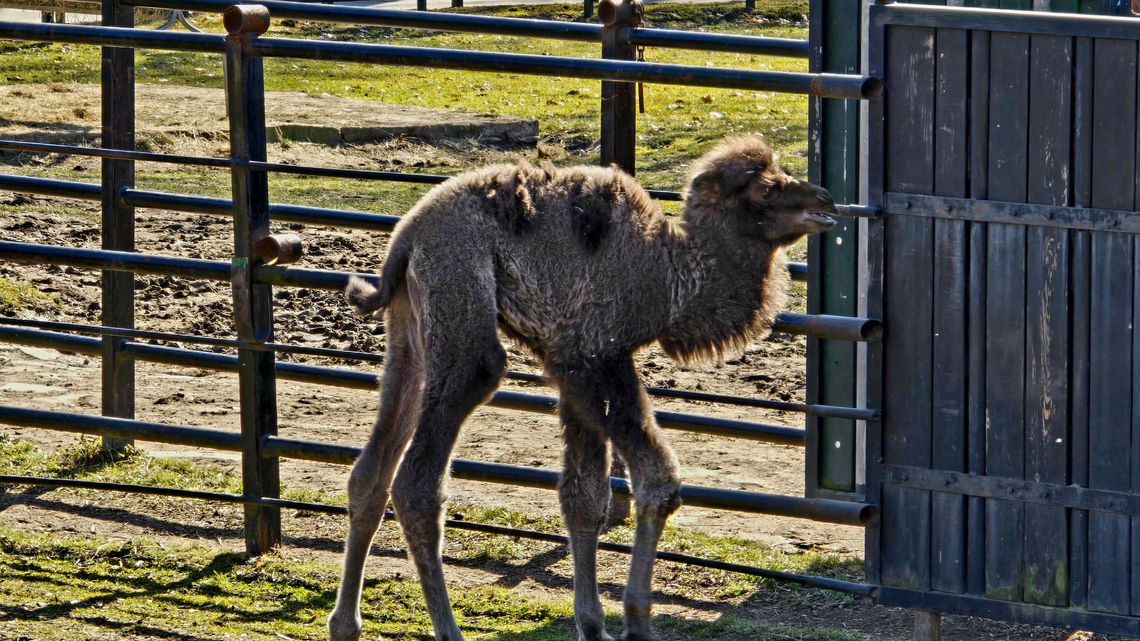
31	377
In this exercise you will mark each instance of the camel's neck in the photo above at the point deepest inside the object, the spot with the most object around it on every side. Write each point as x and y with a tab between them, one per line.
723	292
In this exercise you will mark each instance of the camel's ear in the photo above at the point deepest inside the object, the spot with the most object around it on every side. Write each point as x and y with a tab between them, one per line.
725	180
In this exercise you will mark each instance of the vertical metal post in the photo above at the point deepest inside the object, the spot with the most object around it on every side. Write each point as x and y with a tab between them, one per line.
421	5
253	303
619	99
833	157
587	9
118	219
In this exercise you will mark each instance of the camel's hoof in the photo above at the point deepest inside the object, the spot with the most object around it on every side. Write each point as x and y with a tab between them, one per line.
341	629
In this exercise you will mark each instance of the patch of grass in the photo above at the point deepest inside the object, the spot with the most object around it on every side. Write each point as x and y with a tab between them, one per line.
138	587
17	295
87	460
679	123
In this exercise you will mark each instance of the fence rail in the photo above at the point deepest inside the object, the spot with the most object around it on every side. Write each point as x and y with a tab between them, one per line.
118	342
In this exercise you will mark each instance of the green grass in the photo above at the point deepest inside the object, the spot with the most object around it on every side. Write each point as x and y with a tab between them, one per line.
16	295
679	124
136	587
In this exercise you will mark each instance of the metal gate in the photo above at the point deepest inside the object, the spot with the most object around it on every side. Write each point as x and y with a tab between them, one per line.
1005	158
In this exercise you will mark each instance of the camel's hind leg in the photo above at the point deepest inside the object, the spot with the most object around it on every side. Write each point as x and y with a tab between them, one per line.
463	364
584	492
608	390
371	476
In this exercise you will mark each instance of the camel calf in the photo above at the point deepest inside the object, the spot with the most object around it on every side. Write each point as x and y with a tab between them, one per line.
579	265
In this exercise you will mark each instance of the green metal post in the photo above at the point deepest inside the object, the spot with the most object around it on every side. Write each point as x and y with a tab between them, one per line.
833	156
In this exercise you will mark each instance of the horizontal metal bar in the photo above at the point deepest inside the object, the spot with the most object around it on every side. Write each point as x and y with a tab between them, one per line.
1022	490
820	326
829	510
824	85
828	327
1035	22
398	18
40	338
113	36
50	187
1073	618
722	42
121	428
817	582
280	213
992	211
798	272
232	343
114	260
100	152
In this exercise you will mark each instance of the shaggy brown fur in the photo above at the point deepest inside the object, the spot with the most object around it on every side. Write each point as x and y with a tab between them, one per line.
580	265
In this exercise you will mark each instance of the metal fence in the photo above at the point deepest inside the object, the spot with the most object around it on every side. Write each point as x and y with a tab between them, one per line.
244	48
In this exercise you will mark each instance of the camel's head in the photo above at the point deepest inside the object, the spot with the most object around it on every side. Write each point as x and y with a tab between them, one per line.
741	185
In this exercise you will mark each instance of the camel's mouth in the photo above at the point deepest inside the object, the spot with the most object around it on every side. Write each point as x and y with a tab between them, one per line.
821	221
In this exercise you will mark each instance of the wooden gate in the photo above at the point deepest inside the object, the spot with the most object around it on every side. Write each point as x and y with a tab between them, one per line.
1005	157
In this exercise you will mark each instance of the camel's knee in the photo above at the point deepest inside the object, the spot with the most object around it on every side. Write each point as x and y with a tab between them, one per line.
585	506
365	493
418	505
659	495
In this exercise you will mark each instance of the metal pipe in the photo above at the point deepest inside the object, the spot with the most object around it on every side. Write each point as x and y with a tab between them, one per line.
721	42
829	510
828	327
51	187
281	213
398	18
114	260
120	428
506	399
50	339
112	37
819	582
120	154
825	85
820	326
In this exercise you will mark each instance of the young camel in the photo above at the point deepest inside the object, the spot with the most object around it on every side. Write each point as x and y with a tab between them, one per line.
579	265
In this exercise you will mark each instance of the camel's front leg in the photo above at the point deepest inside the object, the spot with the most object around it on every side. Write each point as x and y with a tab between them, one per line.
609	391
584	492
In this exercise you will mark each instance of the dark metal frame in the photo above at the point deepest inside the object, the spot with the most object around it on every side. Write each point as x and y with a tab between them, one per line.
251	211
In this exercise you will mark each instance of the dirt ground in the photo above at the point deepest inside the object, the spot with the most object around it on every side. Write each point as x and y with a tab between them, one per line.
31	377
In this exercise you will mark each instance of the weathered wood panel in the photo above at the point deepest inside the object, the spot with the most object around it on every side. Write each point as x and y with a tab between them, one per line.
1110	332
1045	568
951	164
1080	284
907	291
1005	311
979	130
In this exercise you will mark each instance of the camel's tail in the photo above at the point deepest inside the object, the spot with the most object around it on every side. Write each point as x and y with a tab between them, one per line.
368	297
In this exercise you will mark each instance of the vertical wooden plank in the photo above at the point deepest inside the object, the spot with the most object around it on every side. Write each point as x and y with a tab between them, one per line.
905	551
1005	310
1081	284
948	511
979	127
1135	453
1110	332
871	268
1045	567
